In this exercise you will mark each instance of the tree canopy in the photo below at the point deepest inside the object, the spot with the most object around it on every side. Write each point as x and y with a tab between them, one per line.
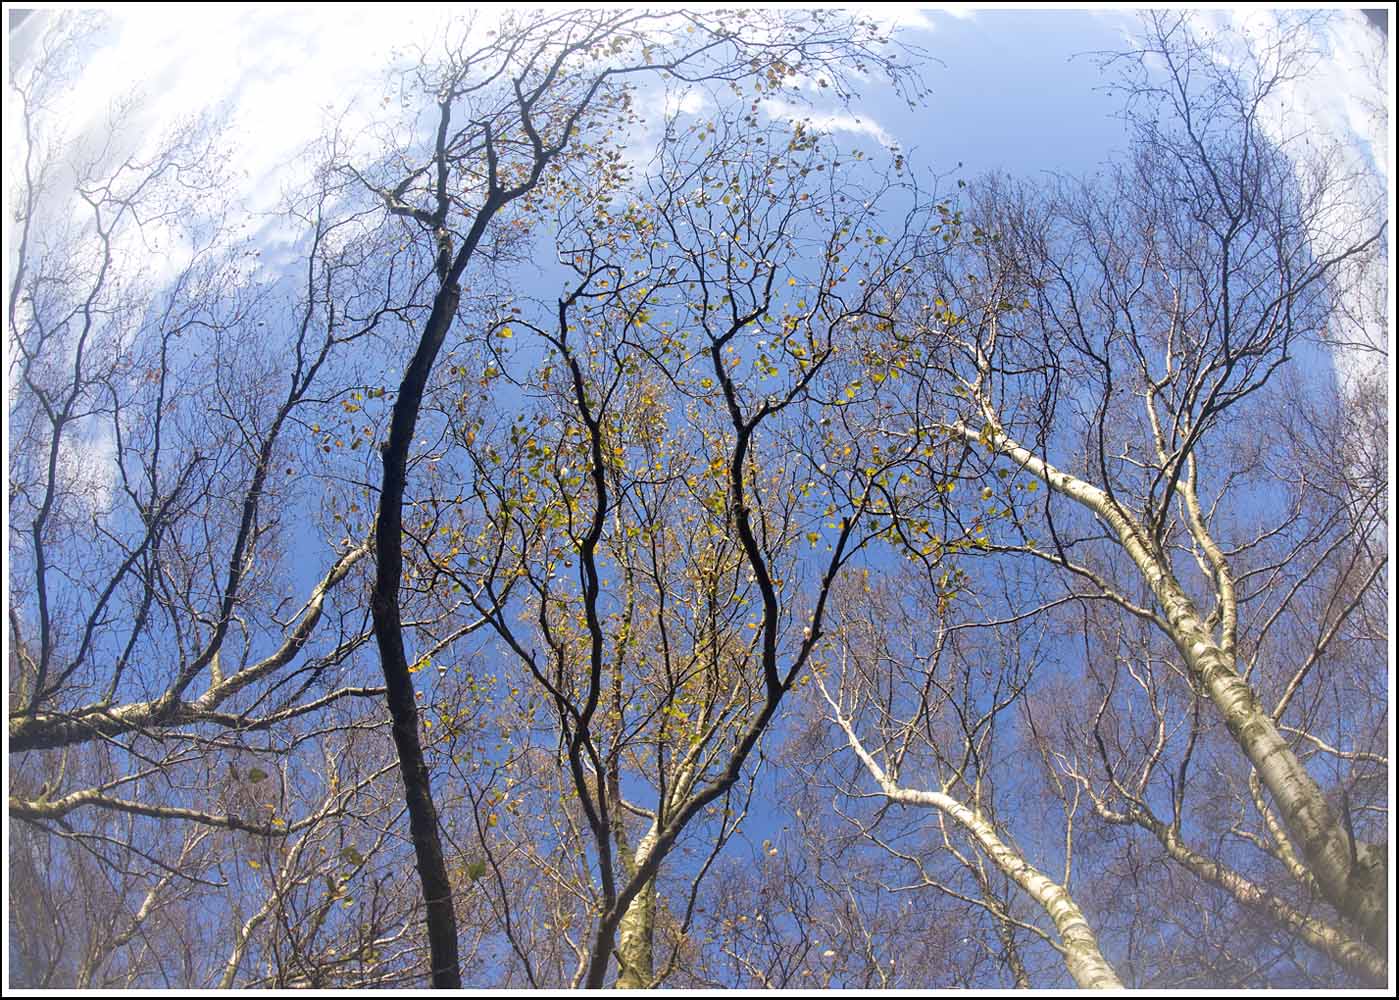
605	529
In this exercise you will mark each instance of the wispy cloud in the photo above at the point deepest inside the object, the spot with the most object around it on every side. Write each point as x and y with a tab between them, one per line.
1341	106
829	121
278	70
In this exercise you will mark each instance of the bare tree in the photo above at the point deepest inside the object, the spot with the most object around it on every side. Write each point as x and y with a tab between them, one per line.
1128	346
1067	504
159	634
933	727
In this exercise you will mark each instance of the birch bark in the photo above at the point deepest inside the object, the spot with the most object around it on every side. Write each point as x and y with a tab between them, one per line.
1352	876
1079	945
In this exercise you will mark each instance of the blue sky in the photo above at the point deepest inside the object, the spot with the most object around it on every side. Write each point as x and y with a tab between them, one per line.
1009	90
1013	90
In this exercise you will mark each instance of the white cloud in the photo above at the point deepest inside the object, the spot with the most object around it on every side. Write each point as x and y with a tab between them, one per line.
962	12
280	70
87	468
829	121
1340	105
688	101
902	16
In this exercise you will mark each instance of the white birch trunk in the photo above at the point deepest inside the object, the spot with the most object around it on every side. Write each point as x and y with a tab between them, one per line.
1352	876
1345	951
637	929
1082	956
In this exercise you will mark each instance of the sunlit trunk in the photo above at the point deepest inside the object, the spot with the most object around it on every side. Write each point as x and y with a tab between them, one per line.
636	930
1345	951
1351	875
635	940
1082	956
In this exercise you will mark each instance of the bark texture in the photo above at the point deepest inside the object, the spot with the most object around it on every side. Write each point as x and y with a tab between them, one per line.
1082	956
1352	876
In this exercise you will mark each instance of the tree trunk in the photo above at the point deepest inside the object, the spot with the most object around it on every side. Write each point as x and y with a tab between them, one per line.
388	631
1352	876
1345	951
1082	955
635	941
637	929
